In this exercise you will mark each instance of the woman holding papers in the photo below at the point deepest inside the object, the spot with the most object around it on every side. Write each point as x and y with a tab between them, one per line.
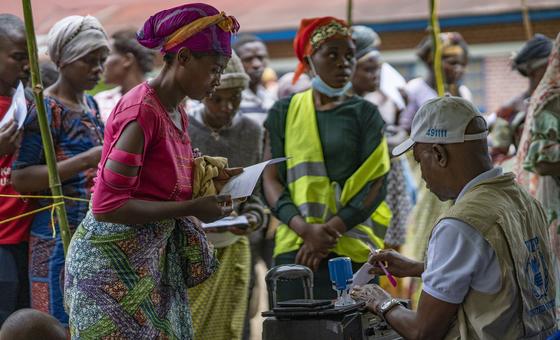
219	305
135	253
329	194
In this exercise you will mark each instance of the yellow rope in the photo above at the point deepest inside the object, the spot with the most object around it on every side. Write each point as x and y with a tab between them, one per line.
52	218
51	206
47	197
31	212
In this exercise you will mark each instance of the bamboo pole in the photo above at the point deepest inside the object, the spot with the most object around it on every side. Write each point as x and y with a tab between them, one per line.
526	20
434	29
46	137
349	12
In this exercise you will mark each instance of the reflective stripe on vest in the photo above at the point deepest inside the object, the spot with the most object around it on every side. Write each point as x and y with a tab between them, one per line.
316	197
306	169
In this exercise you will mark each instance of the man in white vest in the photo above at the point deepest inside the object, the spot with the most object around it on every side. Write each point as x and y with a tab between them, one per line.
488	269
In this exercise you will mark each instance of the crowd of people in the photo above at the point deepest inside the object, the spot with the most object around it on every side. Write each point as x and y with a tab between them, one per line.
376	167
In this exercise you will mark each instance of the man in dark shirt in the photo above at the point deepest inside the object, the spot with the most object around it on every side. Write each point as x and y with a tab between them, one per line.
14	285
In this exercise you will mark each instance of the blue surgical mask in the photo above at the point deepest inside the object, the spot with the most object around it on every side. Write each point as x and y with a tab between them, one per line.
318	84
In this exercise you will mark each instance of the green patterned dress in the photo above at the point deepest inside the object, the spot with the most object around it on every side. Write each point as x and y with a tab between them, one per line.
545	147
130	281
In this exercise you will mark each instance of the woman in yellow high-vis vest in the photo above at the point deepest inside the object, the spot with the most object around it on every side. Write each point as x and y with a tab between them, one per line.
329	194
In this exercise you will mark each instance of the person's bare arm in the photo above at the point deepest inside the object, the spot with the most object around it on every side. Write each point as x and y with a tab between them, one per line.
36	177
134	211
398	265
548	169
271	185
207	209
431	321
318	238
9	138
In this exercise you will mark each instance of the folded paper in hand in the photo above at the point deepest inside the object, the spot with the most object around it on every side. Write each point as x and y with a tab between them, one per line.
362	276
243	184
18	108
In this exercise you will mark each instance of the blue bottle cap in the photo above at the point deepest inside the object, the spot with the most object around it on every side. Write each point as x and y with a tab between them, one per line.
340	272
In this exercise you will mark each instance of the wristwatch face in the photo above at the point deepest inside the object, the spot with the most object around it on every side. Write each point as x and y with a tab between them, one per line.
385	306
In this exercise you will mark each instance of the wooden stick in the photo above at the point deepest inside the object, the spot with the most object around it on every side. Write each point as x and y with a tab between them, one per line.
526	19
349	13
434	28
46	137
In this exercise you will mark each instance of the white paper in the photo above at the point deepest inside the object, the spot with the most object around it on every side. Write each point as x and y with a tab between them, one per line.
390	82
243	185
18	108
362	276
227	222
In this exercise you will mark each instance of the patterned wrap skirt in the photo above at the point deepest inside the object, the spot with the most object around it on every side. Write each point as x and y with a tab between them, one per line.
130	281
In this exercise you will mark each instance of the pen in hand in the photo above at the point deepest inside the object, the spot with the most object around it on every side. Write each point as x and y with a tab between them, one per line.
380	264
389	276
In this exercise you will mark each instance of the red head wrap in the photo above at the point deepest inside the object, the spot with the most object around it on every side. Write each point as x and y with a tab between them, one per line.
312	34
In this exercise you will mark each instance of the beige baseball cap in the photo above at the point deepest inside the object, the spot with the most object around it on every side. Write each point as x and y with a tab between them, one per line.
442	120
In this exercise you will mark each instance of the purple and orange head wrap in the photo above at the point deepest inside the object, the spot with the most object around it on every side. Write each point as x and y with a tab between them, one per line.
198	27
312	34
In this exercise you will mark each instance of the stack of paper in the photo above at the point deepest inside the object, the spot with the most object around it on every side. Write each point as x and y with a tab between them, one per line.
227	222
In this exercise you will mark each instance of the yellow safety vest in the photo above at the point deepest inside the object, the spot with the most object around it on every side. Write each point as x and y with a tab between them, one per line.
317	198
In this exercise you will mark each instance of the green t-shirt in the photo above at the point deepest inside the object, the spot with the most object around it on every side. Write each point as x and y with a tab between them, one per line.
349	133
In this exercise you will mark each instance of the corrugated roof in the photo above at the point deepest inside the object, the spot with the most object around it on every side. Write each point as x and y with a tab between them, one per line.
263	16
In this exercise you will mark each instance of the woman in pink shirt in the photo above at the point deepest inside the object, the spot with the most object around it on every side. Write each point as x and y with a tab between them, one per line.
134	255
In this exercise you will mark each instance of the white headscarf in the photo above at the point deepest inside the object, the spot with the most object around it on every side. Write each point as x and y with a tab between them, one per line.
74	37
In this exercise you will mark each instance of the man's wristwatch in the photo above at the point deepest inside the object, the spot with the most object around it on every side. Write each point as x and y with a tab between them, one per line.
386	306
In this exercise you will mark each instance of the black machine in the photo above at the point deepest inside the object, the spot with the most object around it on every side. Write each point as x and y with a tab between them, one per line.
308	319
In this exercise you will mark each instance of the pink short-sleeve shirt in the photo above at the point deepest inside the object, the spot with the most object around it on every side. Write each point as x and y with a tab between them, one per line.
166	172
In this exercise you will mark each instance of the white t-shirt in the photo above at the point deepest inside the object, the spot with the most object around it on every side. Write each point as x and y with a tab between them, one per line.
107	100
459	258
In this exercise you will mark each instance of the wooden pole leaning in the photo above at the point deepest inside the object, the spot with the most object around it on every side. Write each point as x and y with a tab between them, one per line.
46	137
526	20
349	7
435	30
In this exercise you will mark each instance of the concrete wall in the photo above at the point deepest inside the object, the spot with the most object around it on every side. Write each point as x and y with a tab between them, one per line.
501	82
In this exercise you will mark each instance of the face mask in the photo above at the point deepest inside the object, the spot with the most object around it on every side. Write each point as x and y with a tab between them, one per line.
319	85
